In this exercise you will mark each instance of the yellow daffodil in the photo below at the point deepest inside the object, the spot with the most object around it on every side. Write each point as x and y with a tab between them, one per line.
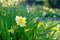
20	21
11	30
35	19
51	10
55	28
7	3
4	5
39	24
15	1
44	13
58	25
45	8
28	9
26	30
8	0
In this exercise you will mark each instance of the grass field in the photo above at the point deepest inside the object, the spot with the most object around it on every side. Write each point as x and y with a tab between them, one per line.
25	23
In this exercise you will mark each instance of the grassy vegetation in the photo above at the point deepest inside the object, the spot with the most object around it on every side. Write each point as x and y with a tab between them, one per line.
35	29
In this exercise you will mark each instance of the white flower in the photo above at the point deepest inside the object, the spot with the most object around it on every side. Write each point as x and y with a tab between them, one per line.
44	13
2	1
20	21
28	8
58	26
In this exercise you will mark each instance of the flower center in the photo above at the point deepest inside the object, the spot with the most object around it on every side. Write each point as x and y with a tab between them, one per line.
21	20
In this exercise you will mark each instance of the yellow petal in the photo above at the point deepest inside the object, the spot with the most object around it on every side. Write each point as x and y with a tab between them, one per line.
40	24
45	8
4	5
8	0
11	30
26	30
55	28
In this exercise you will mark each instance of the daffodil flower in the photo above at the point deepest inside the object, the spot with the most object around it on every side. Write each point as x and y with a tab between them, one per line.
8	0
44	13
58	25
45	8
35	19
51	10
20	21
40	24
4	5
55	28
26	30
28	9
11	30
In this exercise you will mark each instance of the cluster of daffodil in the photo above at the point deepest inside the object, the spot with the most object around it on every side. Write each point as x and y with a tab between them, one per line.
6	3
49	9
29	24
55	28
30	9
43	9
22	22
